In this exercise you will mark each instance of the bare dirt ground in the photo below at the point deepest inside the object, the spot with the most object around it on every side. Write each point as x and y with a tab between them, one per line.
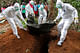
37	44
71	44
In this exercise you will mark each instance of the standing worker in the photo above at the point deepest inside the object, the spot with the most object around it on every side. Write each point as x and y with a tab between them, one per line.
68	14
35	9
42	15
23	9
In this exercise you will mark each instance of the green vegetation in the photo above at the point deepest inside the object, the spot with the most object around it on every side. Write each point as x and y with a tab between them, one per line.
24	25
76	4
3	31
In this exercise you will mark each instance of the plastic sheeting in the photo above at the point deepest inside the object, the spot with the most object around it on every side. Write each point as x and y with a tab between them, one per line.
38	28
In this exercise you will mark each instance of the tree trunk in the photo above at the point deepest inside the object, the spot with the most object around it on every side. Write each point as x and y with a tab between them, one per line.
51	13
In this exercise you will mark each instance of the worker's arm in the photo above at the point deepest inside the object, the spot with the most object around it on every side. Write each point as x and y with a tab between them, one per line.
59	15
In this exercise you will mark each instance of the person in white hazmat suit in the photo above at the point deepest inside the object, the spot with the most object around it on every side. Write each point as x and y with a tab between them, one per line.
29	8
11	14
42	15
68	14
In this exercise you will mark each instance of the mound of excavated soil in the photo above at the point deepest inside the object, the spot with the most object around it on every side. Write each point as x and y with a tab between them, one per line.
38	44
71	44
10	44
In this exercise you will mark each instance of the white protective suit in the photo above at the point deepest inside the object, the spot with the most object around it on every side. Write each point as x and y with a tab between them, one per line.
29	9
11	15
68	13
42	15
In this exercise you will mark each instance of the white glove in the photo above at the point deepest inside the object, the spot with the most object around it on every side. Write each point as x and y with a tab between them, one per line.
54	20
25	22
76	21
33	14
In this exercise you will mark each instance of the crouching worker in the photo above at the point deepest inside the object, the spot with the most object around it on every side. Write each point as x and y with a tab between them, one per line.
68	14
42	15
11	13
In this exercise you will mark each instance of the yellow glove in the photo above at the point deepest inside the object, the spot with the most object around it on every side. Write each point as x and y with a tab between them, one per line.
54	20
76	20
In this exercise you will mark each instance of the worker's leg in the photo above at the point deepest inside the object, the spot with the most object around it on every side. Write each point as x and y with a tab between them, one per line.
13	26
67	24
26	14
60	26
40	19
18	22
44	19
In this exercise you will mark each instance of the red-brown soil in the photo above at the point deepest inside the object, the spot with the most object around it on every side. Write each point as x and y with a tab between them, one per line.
71	44
38	44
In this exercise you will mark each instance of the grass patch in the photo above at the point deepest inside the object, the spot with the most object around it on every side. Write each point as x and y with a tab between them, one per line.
36	20
24	25
3	31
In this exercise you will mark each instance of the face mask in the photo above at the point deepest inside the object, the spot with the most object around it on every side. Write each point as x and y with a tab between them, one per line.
58	6
32	3
16	8
41	9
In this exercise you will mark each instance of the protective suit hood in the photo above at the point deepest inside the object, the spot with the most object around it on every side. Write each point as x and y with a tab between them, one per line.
16	6
31	2
41	7
59	4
